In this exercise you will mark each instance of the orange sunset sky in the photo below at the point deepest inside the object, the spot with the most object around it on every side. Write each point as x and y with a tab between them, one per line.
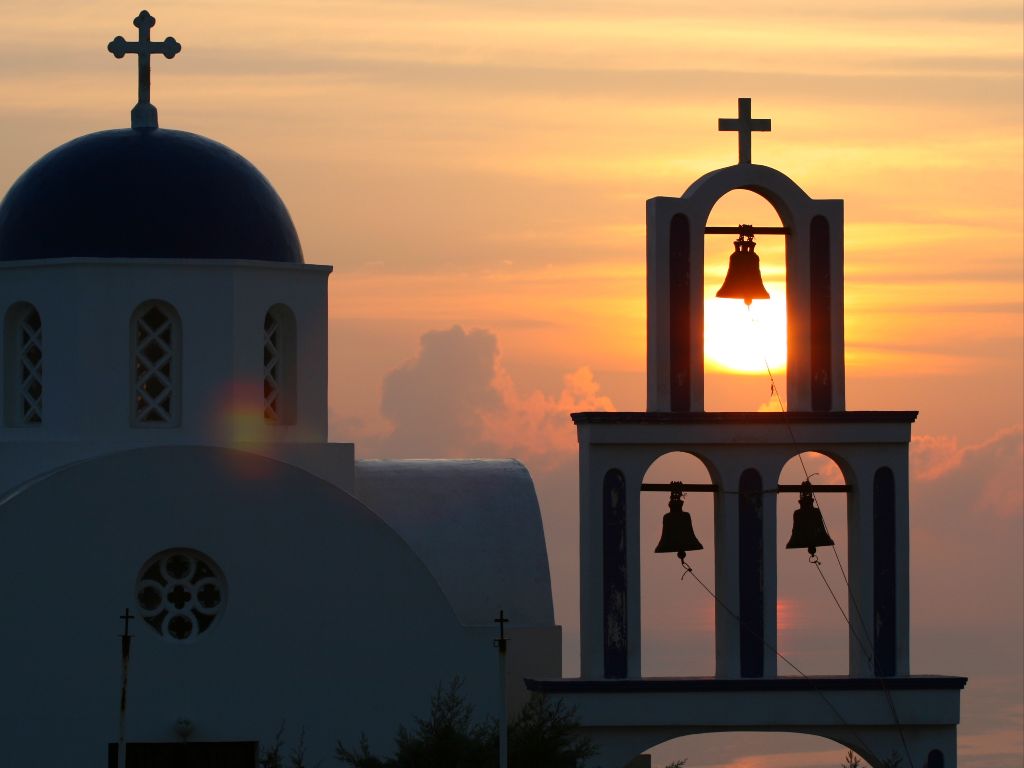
476	173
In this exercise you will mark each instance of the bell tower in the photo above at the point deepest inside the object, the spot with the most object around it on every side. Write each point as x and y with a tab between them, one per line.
813	230
875	706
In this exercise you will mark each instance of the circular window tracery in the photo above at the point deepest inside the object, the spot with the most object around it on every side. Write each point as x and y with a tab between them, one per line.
180	593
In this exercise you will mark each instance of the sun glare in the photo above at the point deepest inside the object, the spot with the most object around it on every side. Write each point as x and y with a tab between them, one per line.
741	339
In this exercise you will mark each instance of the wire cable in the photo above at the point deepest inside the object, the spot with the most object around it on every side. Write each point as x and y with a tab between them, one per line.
803	466
839	562
688	569
864	649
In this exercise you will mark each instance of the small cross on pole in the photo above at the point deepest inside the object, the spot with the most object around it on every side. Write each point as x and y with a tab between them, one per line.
144	113
502	642
126	646
502	645
126	639
743	125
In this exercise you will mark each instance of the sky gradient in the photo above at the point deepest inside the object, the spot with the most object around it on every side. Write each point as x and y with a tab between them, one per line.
476	173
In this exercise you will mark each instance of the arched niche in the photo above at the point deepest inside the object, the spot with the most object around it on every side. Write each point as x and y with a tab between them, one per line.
155	363
23	365
677	616
280	374
814	292
615	574
885	628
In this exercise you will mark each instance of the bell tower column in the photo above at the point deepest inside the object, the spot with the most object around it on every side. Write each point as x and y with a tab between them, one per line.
816	368
610	632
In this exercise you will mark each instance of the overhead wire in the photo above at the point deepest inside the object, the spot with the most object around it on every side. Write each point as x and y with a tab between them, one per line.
869	655
688	569
853	600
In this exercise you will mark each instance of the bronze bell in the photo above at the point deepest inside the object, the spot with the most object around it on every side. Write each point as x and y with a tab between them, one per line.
808	525
677	528
743	280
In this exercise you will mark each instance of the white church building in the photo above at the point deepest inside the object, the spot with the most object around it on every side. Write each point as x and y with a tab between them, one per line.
164	449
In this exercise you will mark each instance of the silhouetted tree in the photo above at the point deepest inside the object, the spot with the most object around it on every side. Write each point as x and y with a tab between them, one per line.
543	735
853	761
546	734
273	756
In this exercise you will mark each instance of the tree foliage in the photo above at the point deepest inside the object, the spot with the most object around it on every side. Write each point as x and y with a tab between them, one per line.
546	734
853	761
543	735
274	755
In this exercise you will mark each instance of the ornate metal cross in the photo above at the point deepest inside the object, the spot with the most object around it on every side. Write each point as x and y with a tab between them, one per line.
144	113
744	124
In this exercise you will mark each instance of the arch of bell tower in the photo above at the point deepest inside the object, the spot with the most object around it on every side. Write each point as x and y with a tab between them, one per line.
814	289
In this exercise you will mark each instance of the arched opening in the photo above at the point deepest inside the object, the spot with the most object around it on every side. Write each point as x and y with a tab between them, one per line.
23	366
677	615
155	364
279	366
812	632
741	343
771	750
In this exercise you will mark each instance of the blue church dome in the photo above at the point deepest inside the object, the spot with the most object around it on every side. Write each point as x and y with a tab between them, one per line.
145	194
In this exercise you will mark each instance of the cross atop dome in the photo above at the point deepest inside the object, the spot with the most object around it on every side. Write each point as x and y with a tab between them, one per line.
144	113
743	125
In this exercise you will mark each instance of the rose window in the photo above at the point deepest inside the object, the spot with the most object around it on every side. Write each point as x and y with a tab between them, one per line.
180	593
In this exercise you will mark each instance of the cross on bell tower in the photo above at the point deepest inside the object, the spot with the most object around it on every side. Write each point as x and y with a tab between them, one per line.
743	125
144	113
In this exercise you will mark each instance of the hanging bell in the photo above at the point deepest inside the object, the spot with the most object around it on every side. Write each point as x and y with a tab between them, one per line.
677	528
808	525
743	280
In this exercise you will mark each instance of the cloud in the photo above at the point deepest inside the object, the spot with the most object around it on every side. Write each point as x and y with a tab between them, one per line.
456	399
539	424
932	456
436	400
989	471
967	581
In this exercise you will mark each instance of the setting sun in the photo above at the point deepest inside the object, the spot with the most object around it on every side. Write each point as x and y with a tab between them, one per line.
742	339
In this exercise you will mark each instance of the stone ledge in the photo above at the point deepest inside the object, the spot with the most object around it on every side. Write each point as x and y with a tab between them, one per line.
744	417
750	684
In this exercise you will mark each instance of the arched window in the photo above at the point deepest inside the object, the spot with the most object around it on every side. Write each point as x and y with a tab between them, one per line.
23	337
279	366
155	365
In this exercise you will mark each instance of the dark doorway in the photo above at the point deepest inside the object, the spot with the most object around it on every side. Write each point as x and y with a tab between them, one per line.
211	754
